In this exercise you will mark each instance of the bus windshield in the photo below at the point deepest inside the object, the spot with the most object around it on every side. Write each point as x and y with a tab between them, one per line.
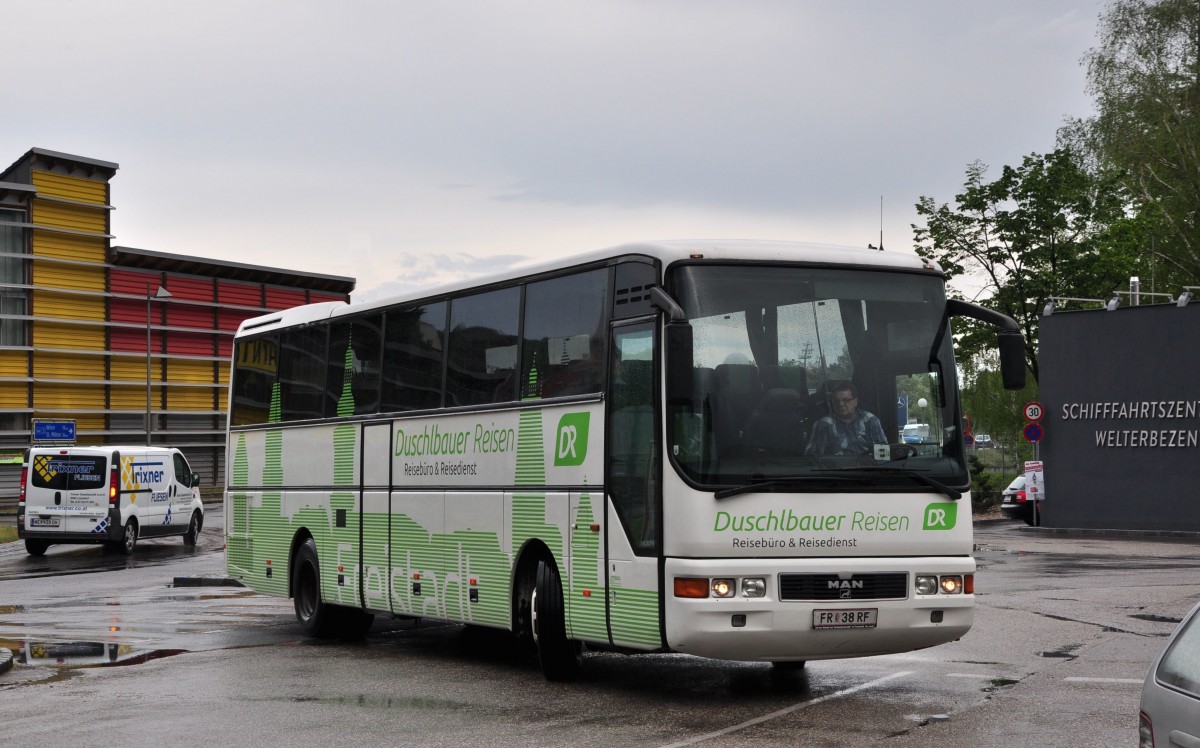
808	372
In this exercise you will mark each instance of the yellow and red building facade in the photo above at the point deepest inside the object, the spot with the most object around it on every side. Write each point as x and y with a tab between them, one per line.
77	313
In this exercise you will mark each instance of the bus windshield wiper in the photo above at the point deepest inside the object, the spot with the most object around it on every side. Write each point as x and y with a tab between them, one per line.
953	493
771	484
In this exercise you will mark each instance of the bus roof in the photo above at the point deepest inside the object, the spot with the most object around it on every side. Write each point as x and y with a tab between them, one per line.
666	252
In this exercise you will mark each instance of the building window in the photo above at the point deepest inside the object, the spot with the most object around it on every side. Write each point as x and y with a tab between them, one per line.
13	295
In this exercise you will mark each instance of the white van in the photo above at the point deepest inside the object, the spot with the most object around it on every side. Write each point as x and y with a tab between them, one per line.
111	495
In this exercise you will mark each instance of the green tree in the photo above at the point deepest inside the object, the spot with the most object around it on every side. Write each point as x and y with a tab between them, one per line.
1145	78
1045	228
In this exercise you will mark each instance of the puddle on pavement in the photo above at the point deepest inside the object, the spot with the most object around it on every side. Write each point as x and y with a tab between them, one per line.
1156	618
87	654
376	702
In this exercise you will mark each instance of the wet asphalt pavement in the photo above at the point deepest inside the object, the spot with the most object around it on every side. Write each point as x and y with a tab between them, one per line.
118	651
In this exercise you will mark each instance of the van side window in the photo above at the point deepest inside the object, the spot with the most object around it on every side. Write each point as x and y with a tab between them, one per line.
183	473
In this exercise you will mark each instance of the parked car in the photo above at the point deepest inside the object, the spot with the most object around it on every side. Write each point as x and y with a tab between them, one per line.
1015	504
1170	709
984	441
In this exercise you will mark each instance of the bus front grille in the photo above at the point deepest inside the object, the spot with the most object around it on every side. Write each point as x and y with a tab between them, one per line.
827	587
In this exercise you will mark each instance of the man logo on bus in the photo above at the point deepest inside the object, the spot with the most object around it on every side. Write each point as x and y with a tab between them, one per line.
941	516
570	446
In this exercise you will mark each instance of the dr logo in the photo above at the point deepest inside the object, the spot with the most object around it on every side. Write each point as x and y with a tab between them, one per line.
941	516
571	441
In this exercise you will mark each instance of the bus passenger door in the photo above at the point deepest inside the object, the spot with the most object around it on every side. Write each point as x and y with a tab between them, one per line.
633	481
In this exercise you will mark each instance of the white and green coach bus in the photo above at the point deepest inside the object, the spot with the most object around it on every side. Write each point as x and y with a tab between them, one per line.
615	451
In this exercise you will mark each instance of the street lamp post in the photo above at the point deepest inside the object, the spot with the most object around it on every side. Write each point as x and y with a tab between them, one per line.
158	295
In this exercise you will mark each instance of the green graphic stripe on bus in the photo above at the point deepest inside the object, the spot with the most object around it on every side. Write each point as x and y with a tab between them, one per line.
241	465
344	579
237	540
586	616
635	615
531	457
476	556
376	583
345	406
345	448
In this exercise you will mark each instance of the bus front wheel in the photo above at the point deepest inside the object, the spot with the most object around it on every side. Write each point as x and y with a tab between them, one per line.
558	655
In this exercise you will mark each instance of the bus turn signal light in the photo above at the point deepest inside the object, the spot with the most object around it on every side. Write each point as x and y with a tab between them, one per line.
691	587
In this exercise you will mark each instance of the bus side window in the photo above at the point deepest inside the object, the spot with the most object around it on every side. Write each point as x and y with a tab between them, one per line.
563	351
483	348
302	372
414	349
256	366
352	384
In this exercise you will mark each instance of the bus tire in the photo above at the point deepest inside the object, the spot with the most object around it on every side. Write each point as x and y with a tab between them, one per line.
523	586
316	618
558	655
193	531
35	547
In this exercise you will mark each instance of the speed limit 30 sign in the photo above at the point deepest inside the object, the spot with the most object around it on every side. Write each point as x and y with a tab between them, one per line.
1034	411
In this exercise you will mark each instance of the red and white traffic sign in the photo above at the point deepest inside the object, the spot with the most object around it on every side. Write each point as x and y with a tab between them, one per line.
1034	411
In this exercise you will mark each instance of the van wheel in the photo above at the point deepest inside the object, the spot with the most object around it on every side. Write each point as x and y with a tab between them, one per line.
36	547
131	536
193	531
558	655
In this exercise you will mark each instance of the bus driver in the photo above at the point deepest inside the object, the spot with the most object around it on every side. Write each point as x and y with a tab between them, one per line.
848	430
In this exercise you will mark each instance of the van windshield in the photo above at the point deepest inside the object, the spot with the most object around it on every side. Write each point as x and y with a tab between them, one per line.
68	472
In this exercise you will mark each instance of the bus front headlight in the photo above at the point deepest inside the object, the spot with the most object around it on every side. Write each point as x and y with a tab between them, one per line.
754	587
927	585
723	587
952	585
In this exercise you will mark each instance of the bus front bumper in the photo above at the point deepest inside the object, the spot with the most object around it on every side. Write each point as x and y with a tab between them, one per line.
773	630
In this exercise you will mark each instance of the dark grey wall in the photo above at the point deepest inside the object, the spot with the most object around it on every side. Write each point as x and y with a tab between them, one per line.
1122	429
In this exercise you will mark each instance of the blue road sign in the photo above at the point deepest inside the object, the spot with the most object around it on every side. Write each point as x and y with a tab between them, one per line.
53	431
1033	432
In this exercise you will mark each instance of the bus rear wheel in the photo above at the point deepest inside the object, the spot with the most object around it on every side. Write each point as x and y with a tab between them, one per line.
318	618
314	615
559	656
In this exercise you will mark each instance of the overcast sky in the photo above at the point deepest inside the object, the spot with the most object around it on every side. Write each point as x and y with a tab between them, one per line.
407	143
